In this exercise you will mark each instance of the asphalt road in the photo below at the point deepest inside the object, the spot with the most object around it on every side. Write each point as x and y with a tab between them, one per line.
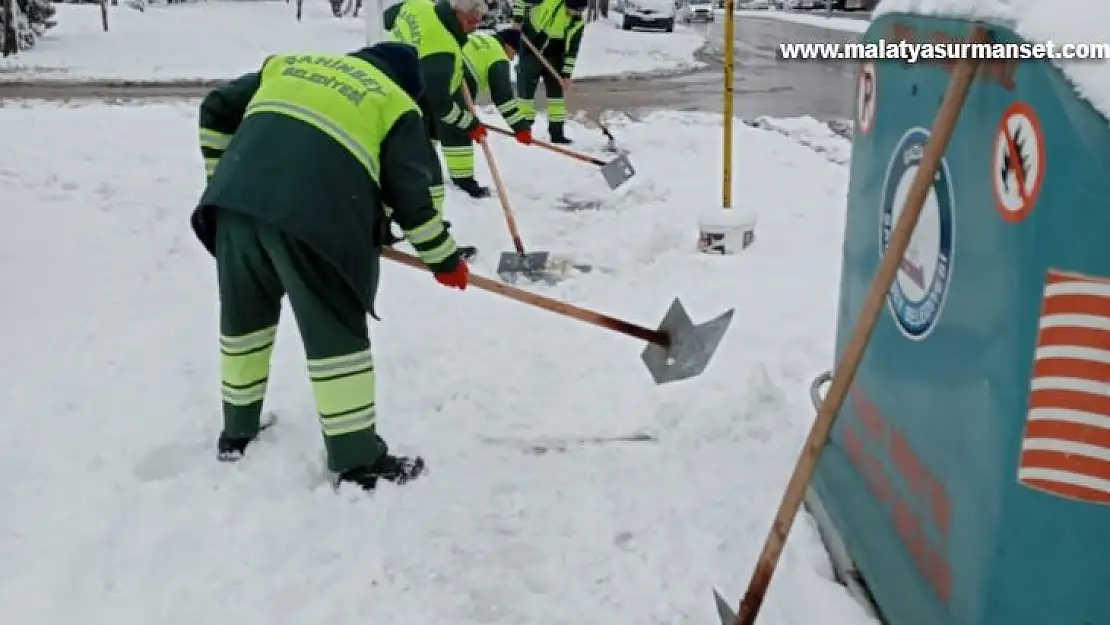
765	84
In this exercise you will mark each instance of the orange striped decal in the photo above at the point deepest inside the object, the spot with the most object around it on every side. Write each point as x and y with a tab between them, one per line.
1065	450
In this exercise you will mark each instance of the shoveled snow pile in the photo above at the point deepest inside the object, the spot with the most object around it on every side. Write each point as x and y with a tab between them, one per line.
114	509
217	40
1060	21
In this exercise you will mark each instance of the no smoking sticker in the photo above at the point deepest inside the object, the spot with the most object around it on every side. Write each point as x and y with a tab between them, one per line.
866	98
1019	161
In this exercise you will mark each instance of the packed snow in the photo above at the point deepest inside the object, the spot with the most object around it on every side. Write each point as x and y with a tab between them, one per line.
218	40
1060	21
814	18
115	510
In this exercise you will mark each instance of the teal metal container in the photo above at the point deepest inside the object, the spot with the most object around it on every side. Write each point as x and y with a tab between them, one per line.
969	471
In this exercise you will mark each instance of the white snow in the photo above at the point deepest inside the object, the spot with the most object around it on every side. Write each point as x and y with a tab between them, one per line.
1060	21
814	18
218	39
811	133
113	509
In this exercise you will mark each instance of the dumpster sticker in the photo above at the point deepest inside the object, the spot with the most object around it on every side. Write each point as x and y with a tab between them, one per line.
1019	160
1065	450
917	297
866	98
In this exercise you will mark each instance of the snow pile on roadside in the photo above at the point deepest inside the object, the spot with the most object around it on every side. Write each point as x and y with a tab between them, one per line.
610	51
219	40
845	24
129	519
1060	21
811	133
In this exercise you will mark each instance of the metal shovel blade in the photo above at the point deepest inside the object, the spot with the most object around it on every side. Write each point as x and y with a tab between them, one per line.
513	264
692	346
618	171
724	610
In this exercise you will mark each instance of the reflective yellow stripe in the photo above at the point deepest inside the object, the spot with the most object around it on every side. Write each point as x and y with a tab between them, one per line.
344	390
210	165
425	232
245	366
215	140
317	120
439	253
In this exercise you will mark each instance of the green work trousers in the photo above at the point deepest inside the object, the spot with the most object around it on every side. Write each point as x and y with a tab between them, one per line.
257	265
529	72
458	151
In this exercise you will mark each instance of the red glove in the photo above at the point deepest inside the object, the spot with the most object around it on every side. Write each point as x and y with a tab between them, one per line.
479	133
524	137
456	278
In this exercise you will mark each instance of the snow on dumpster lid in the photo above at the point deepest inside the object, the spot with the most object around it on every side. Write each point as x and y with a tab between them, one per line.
1059	21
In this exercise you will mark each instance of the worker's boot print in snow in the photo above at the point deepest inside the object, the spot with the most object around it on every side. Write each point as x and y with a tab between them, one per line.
471	186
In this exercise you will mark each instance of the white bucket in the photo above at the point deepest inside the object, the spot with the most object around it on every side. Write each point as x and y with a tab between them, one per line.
726	231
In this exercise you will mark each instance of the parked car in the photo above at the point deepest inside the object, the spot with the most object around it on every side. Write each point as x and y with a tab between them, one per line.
656	14
696	10
758	5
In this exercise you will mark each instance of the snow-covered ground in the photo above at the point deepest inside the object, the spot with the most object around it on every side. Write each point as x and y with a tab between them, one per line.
113	509
813	18
221	39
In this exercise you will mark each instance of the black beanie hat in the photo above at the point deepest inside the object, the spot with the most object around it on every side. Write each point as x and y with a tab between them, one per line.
404	66
509	37
577	5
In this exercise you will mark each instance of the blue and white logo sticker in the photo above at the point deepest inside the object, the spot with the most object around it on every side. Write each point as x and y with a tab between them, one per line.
917	297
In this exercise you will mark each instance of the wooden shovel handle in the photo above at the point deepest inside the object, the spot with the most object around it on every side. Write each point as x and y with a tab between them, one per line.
943	126
546	303
498	183
558	149
539	55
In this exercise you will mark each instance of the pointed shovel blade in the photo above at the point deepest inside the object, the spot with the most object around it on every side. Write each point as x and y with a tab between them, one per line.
692	346
724	610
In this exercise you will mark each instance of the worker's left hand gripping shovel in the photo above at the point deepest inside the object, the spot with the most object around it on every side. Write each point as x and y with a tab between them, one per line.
678	350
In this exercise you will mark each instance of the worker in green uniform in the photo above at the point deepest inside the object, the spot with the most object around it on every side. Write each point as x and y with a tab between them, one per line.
487	60
304	156
555	28
438	31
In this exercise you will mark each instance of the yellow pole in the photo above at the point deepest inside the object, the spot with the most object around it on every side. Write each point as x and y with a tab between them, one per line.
730	46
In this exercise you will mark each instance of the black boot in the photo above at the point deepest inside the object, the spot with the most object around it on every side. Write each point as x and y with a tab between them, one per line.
471	186
557	134
231	449
396	469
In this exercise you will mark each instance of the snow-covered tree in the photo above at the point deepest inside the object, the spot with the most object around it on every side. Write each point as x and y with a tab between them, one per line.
22	22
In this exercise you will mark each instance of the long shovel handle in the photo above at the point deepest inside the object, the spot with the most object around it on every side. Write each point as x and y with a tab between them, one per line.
543	60
498	183
558	149
943	126
546	303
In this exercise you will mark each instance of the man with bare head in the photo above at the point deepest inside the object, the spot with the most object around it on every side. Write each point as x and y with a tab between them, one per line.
438	31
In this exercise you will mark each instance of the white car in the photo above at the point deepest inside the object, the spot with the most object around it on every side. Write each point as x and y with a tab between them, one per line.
657	14
696	10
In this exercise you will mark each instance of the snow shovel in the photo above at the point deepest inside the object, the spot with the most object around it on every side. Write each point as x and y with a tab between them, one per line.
534	265
678	350
616	172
